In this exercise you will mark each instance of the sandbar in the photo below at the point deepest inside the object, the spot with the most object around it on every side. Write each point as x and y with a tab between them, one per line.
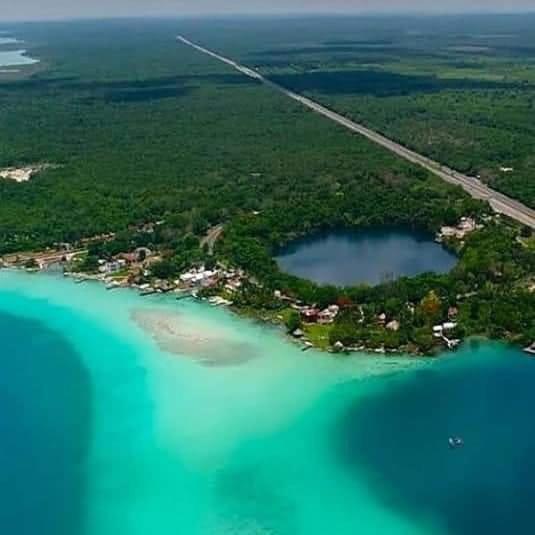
207	343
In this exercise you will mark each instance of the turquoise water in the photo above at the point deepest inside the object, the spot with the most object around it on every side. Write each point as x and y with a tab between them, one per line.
43	439
143	441
12	58
345	257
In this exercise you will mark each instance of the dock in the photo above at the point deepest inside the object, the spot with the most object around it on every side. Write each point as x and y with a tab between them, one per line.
147	292
112	285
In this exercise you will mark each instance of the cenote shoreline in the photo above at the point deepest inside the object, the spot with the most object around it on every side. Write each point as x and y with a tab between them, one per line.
422	314
345	257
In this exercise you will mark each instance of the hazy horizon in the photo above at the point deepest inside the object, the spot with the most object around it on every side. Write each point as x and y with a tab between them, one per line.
31	10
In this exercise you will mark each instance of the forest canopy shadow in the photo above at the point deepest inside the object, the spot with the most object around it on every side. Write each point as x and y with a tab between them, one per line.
378	83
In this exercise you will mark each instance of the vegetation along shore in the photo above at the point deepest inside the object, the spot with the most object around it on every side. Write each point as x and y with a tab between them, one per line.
188	177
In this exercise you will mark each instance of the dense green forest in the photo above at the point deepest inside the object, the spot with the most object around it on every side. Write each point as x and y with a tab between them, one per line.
458	89
139	129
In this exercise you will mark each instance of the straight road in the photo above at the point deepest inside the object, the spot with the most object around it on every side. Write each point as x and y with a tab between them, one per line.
499	202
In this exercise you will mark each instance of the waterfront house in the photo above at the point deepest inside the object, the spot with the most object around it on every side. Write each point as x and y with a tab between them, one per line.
310	314
328	315
111	267
393	325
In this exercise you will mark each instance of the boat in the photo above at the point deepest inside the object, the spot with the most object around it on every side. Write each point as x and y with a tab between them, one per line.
455	442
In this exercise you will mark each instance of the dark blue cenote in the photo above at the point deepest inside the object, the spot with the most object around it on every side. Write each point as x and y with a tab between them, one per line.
399	437
371	256
44	431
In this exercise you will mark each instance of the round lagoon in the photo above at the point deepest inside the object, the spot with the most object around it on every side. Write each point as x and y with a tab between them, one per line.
345	257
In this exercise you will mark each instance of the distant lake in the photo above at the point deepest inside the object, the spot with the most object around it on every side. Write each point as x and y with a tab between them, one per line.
345	257
8	40
10	58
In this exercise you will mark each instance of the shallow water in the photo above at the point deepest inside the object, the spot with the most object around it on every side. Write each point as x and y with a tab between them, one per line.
7	40
12	58
370	256
166	445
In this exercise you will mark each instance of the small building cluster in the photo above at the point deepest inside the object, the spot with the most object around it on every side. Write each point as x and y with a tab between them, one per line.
465	226
40	261
201	278
21	174
125	261
312	314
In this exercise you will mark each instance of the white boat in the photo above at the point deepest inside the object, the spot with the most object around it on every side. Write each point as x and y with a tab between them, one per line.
455	442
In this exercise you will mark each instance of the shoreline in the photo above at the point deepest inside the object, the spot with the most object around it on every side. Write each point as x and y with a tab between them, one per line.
304	344
251	347
163	328
395	317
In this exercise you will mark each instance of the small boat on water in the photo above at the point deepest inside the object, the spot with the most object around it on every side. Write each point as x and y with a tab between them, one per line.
455	442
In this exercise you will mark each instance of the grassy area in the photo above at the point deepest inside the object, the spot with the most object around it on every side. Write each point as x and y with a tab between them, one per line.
318	335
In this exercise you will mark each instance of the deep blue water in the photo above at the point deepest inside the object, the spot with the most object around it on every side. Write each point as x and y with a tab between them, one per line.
346	257
44	431
399	437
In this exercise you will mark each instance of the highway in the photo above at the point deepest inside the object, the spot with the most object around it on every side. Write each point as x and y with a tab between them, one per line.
499	202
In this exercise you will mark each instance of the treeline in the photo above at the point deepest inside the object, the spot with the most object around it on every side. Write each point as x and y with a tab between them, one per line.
143	131
488	289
